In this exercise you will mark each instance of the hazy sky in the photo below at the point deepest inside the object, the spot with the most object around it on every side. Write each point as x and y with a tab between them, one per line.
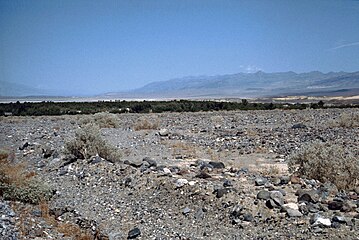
101	46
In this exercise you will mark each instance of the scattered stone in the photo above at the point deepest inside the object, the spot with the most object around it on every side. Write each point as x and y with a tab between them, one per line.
248	217
199	215
133	163
308	196
348	206
284	180
339	219
186	210
335	205
221	192
47	152
277	197
24	145
299	126
134	233
96	159
167	171
260	181
295	179
293	212
181	182
151	161
163	132
318	220
227	183
203	175
263	195
218	165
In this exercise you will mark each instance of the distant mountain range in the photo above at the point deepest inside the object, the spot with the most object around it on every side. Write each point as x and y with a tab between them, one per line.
259	84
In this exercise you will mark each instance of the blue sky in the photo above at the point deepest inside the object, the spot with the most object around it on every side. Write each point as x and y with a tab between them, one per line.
101	46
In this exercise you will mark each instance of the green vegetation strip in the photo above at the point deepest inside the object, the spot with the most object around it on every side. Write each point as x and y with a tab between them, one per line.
72	108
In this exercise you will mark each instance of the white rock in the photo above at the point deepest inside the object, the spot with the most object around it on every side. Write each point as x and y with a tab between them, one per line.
291	206
322	222
181	182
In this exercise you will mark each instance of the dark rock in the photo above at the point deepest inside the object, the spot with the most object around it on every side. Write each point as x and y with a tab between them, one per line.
335	225
95	160
260	181
203	175
276	181
271	204
133	163
47	152
227	183
263	195
37	213
151	161
299	126
134	233
304	209
214	164
221	192
308	196
339	219
237	211
248	217
24	145
348	206
313	208
284	180
335	205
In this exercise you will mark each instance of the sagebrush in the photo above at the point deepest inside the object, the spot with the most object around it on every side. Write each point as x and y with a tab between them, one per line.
18	184
327	163
88	142
102	119
348	120
146	123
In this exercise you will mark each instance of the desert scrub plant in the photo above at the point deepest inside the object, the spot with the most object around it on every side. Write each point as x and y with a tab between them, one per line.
146	123
347	120
327	163
102	119
89	142
17	184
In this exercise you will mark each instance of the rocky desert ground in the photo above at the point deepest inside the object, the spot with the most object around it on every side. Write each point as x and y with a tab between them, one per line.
213	175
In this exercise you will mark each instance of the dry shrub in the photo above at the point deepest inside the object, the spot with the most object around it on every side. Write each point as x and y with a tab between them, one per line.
183	149
146	123
18	184
102	119
88	142
326	162
271	170
73	231
347	120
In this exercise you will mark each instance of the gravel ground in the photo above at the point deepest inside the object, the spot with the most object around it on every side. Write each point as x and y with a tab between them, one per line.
215	175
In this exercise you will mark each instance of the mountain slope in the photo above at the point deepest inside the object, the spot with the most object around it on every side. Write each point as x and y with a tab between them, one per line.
252	84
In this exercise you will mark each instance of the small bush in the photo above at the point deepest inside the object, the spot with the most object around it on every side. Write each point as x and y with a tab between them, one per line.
348	120
17	184
146	123
102	119
326	162
88	142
